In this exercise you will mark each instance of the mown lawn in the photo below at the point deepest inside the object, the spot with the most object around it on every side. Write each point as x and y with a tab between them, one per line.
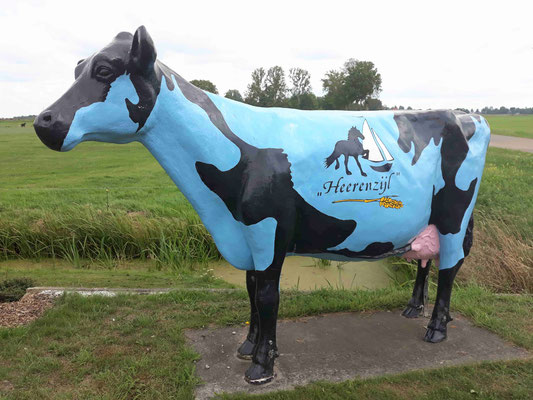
511	125
133	347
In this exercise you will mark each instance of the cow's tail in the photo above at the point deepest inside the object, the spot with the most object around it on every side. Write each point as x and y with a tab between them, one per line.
328	161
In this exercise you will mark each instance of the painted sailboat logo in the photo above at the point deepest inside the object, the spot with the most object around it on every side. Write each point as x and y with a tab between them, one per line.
377	152
367	145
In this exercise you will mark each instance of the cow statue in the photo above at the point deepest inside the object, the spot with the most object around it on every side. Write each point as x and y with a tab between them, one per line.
263	181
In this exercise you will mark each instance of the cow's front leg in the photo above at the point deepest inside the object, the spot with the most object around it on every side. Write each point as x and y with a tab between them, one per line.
245	351
415	306
436	330
267	302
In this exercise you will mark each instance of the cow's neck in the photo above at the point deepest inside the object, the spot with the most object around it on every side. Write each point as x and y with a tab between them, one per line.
179	134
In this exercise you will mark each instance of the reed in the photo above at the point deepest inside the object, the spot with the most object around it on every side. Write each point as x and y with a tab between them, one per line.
82	235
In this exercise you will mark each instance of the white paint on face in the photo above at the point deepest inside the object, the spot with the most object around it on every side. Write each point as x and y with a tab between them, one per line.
107	121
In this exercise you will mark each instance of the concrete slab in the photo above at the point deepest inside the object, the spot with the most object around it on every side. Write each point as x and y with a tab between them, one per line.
337	347
111	292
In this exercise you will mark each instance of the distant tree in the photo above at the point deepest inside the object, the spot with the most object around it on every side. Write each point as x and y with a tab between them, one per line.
234	94
306	101
361	81
206	85
276	87
373	104
401	108
350	87
255	95
333	85
301	81
301	95
268	89
465	110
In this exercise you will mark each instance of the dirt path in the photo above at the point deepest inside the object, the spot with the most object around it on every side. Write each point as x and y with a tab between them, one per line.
511	143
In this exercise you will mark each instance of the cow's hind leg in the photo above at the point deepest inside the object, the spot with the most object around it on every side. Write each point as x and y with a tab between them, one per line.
246	349
267	302
415	306
436	330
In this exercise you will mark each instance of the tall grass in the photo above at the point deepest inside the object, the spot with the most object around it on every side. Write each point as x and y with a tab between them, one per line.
501	258
83	234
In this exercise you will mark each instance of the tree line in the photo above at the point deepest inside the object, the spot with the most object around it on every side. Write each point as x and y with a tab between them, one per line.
355	86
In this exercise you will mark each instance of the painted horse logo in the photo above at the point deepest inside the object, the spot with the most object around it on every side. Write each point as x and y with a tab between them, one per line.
349	148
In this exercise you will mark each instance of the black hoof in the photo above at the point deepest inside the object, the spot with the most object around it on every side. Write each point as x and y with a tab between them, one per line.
362	173
246	350
259	375
348	173
434	335
413	311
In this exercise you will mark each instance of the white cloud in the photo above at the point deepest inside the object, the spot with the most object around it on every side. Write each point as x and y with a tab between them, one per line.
430	55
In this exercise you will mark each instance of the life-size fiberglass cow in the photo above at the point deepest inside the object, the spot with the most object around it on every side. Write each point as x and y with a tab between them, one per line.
267	182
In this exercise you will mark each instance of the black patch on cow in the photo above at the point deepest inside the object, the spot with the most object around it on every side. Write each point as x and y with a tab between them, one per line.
382	168
467	125
260	186
450	203
374	250
418	129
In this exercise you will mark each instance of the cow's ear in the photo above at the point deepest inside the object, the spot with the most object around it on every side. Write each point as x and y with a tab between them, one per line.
142	52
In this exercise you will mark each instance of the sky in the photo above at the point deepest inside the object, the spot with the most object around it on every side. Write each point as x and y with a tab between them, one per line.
430	54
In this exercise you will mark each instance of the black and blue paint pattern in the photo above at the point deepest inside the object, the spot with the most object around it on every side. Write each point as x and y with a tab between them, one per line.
256	176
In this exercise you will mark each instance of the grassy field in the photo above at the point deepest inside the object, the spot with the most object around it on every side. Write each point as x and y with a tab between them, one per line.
133	347
511	125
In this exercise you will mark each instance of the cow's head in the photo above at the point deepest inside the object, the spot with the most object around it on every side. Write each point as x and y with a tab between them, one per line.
112	96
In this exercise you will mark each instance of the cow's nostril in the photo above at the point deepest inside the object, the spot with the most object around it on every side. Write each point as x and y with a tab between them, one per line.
47	118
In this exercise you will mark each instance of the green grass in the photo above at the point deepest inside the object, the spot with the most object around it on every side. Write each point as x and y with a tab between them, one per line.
134	347
511	125
507	189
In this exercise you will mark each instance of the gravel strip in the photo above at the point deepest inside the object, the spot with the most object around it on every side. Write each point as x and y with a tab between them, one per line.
24	311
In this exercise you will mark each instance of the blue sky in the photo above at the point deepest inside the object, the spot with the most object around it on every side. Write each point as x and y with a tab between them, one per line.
443	54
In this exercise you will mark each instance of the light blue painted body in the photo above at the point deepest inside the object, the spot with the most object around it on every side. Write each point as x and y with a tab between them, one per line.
179	133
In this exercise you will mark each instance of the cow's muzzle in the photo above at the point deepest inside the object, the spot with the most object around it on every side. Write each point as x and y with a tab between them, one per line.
51	129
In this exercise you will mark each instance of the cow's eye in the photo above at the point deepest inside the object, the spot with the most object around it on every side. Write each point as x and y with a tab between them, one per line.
104	72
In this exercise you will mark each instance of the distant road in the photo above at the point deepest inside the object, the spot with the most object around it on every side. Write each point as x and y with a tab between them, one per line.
511	143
